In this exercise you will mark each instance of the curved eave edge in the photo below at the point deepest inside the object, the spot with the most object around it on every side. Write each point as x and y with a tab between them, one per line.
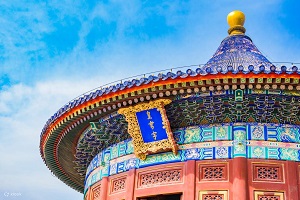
52	165
163	77
55	122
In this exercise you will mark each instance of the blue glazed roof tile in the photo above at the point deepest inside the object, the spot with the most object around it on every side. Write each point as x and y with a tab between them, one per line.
235	51
236	54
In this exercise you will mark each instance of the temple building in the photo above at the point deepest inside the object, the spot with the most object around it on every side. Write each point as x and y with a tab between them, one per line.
227	130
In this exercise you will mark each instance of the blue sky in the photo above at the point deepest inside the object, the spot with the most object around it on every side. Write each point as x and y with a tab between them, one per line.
53	51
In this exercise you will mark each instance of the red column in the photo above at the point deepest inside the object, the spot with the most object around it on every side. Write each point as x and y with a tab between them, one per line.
130	184
104	188
240	184
292	180
189	180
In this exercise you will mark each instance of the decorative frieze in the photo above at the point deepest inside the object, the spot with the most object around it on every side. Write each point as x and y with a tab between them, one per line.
267	172
160	177
118	185
213	172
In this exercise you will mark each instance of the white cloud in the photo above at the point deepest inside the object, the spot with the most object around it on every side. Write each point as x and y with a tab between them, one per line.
24	110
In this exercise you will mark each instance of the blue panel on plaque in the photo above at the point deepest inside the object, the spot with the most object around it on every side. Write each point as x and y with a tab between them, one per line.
151	125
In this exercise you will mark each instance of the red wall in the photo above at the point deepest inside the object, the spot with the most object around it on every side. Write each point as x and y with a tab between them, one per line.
234	179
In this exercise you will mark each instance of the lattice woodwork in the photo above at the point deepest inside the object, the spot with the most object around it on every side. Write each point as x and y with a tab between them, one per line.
265	195
213	197
268	197
160	177
118	184
96	192
217	172
213	173
268	173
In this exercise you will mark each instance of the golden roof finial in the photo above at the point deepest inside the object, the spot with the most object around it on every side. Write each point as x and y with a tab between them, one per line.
236	20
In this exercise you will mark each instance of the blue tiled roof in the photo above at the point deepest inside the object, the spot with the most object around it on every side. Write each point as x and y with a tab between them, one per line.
263	68
234	53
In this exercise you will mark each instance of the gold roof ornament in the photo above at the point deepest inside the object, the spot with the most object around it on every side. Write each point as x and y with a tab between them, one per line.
236	20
